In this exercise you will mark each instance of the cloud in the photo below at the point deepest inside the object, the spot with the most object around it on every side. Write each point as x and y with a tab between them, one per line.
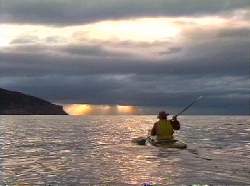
25	40
65	75
188	56
216	51
62	12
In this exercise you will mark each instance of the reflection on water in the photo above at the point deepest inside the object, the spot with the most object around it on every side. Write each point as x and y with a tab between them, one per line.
64	150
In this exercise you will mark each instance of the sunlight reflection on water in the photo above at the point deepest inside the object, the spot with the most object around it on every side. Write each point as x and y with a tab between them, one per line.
38	150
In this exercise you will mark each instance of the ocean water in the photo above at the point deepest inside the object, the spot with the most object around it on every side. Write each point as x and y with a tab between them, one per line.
97	150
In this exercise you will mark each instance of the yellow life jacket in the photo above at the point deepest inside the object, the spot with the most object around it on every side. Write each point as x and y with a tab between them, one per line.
165	130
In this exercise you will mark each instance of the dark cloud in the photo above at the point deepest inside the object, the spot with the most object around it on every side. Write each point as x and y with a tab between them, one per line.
215	58
171	50
25	40
235	33
161	91
64	12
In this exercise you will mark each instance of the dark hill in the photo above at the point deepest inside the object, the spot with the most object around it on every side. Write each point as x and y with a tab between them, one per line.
17	103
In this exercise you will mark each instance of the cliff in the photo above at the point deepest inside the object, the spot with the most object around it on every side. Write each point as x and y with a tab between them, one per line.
17	103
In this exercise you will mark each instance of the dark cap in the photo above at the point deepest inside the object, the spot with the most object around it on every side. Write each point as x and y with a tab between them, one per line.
162	114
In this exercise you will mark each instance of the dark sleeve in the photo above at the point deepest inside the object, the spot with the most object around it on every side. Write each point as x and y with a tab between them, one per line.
153	131
175	124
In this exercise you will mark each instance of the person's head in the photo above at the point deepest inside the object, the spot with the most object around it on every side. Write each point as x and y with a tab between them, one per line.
162	115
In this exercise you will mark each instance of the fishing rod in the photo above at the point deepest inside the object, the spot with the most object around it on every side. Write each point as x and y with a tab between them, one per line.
188	106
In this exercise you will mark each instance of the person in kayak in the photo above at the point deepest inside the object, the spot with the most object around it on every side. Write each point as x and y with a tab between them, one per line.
164	128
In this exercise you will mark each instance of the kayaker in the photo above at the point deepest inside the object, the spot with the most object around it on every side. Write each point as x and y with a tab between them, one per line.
164	128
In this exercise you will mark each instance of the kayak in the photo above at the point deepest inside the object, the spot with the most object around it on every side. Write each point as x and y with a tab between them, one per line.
151	141
166	143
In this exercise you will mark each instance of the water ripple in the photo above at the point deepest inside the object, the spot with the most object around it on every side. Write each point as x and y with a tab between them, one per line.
96	150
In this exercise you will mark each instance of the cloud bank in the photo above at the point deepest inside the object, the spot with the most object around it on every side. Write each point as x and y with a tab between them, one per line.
63	12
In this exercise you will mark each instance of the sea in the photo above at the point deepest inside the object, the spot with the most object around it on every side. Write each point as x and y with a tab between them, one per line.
97	150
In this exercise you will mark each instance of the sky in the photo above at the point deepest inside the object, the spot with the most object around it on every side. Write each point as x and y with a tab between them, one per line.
128	57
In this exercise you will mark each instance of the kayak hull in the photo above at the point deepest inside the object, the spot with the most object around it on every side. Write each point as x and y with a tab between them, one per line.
150	141
166	143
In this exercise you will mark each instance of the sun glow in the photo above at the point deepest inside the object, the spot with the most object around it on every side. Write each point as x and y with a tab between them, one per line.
133	30
137	30
4	41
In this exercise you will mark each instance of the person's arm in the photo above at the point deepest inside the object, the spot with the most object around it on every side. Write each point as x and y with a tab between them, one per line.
175	123
153	131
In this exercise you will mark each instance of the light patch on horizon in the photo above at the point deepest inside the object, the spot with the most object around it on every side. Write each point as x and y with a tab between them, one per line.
87	109
79	109
125	109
